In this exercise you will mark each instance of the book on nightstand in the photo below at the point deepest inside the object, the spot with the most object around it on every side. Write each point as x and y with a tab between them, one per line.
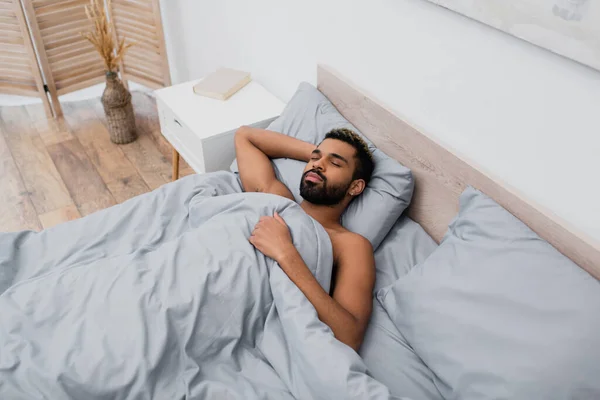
222	83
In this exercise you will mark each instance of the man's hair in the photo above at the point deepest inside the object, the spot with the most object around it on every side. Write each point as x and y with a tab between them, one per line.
365	165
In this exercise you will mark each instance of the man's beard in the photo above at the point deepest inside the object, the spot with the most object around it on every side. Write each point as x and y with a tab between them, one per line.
320	193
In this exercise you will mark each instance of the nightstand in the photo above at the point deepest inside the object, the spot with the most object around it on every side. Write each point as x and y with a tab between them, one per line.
201	129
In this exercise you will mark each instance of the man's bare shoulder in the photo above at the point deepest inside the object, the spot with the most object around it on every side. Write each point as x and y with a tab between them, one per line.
348	244
354	259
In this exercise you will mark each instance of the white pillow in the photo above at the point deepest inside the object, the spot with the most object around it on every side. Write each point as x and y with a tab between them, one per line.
498	313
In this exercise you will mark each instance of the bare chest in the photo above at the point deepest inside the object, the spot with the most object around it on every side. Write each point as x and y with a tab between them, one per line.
337	245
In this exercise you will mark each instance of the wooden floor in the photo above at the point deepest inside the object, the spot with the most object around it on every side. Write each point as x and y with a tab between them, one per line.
53	171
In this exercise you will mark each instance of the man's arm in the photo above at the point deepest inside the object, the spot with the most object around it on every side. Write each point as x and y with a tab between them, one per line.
254	148
347	313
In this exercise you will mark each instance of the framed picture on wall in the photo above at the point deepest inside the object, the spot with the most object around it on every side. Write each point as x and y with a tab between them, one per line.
570	28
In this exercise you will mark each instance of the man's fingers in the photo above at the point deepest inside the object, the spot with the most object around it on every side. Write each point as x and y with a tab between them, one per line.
279	219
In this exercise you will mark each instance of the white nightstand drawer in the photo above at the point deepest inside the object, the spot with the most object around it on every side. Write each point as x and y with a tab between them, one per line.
185	141
168	119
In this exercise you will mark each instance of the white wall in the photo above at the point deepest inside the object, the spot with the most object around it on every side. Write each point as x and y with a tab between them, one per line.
524	114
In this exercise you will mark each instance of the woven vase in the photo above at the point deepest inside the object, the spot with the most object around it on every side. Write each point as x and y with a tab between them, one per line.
116	101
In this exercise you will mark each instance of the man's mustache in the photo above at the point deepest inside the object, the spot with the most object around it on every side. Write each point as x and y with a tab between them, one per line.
315	171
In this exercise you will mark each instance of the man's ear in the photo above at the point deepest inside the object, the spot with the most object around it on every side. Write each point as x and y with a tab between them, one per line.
357	187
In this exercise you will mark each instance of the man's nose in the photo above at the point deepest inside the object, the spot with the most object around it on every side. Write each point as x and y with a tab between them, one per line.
318	164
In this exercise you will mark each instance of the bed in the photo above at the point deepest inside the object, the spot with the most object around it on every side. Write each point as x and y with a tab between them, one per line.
228	330
435	356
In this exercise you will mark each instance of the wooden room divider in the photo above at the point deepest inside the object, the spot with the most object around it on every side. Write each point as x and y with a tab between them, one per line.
146	62
68	62
19	70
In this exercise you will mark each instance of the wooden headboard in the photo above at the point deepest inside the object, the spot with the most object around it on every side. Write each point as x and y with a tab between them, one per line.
441	175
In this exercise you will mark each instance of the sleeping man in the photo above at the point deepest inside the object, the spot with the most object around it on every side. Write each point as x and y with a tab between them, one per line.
337	171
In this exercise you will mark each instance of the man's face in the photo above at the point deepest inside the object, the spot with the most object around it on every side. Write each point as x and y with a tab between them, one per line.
328	175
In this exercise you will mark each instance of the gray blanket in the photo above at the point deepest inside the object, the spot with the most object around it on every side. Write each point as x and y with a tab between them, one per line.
163	297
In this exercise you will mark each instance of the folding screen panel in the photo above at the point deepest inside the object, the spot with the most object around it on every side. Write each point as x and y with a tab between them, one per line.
68	61
19	69
140	22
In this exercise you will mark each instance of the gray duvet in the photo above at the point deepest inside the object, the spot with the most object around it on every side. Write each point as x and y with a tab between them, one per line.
163	297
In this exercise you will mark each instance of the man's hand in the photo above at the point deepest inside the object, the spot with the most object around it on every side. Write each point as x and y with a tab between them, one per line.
271	236
347	312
